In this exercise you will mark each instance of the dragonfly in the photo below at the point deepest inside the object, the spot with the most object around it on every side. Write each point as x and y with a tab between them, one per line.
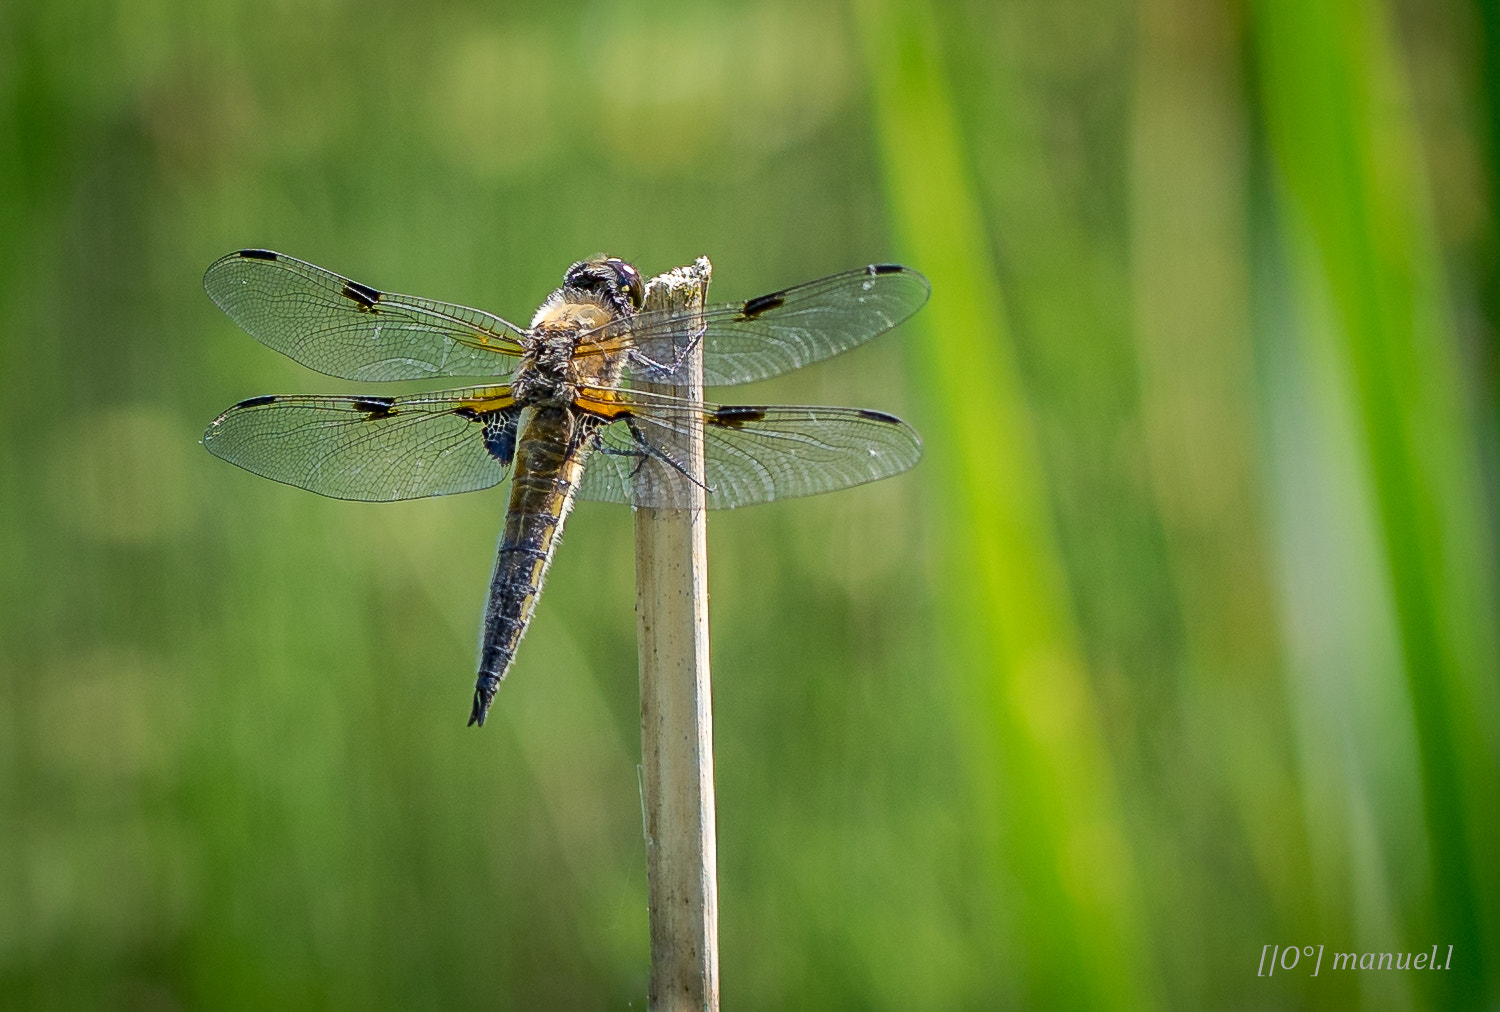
569	408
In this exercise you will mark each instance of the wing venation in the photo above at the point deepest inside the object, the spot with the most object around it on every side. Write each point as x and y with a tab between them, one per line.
751	454
778	332
347	329
371	449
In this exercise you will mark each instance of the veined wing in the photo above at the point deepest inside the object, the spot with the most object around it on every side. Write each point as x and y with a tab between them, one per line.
350	330
373	448
752	453
773	333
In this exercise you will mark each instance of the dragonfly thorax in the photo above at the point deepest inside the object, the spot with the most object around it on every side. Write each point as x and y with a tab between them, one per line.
551	368
545	374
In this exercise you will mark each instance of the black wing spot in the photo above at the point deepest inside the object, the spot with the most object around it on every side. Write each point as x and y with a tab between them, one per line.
879	416
364	295
468	414
375	408
761	304
878	269
257	402
500	433
735	415
258	254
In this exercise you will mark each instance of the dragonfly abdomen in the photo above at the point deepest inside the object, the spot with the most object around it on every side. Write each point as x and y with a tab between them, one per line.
551	449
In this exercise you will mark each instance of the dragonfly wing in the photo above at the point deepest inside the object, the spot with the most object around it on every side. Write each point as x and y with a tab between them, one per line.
778	332
372	448
350	330
752	454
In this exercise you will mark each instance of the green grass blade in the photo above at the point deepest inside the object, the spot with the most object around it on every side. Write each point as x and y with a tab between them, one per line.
1346	163
1038	753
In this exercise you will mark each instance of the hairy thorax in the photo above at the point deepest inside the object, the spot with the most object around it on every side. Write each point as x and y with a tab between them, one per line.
556	361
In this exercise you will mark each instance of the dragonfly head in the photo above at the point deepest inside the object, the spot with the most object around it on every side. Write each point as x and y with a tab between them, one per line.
609	279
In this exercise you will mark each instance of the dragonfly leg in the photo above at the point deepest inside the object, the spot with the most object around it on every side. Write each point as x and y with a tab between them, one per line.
643	451
655	370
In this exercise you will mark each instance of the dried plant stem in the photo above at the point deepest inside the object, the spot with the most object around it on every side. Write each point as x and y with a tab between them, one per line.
676	709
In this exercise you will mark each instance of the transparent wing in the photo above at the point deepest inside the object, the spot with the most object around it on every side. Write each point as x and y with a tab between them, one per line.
372	448
774	333
350	330
752	453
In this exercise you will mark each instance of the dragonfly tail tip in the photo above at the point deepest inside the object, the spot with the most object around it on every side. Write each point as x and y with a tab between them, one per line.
484	695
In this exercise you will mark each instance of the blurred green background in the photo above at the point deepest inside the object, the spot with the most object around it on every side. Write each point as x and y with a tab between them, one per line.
1180	642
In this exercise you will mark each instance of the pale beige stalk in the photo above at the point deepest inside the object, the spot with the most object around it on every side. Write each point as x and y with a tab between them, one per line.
676	706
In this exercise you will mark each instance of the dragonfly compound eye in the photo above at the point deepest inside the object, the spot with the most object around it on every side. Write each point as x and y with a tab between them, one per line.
629	281
610	279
